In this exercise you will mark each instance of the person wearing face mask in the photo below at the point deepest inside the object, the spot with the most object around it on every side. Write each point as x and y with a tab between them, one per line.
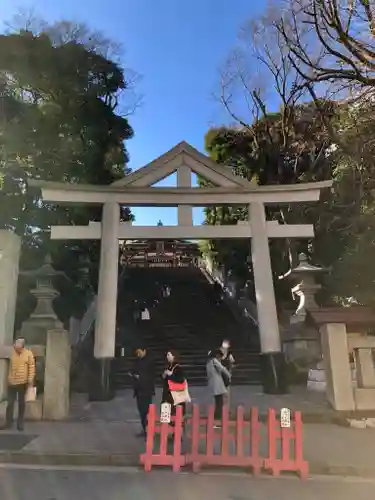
228	362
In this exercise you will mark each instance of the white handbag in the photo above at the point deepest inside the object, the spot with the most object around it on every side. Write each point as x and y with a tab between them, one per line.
30	394
180	397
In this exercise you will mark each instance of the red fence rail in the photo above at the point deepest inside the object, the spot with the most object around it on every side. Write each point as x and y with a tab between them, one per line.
231	442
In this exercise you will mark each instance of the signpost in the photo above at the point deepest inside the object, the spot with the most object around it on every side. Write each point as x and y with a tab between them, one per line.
285	417
165	413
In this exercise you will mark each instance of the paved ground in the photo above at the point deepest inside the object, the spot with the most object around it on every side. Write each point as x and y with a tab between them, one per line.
91	484
331	442
329	449
122	408
104	433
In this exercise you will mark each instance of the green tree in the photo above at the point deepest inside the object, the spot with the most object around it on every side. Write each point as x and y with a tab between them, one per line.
59	120
264	154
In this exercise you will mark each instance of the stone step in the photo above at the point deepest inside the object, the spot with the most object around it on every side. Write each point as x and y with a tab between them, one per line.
188	322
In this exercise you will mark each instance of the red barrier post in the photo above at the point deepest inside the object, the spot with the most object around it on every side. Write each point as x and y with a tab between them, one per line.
195	437
224	433
178	459
255	438
146	458
283	436
164	430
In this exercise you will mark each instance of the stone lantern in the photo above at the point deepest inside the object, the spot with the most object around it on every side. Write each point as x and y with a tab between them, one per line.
43	318
305	287
301	340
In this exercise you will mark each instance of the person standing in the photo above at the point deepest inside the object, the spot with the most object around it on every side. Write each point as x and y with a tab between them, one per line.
175	390
143	374
216	373
136	311
228	362
21	376
145	314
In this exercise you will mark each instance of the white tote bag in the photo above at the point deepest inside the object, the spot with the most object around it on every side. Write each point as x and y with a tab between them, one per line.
180	397
30	394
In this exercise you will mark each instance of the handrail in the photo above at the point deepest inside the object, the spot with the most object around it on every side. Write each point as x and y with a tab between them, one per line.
245	306
80	328
86	324
88	319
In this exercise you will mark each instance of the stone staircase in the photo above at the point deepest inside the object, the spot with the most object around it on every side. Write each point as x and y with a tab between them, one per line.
187	321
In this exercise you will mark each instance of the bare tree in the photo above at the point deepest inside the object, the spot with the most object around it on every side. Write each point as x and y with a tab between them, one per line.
260	70
266	96
331	40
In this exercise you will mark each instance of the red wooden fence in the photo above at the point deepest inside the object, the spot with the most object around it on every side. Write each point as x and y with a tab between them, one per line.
232	442
283	440
162	455
238	440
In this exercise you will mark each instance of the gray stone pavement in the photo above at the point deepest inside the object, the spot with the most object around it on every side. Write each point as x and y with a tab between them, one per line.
104	434
122	408
120	484
329	449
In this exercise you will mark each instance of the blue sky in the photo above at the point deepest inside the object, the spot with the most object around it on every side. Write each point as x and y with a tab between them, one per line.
177	48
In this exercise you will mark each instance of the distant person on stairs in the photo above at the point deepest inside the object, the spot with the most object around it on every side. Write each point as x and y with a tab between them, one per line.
227	357
136	311
228	362
143	375
175	387
216	373
145	314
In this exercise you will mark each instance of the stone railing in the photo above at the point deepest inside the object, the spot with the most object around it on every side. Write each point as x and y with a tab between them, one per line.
80	328
241	305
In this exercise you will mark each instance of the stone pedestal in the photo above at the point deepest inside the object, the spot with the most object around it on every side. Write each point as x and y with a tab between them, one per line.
301	343
339	389
301	337
57	375
10	246
365	368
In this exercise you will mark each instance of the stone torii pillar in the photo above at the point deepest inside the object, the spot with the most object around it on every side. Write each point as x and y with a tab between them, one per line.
105	323
272	357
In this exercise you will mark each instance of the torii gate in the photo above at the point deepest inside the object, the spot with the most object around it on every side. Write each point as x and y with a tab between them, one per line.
137	190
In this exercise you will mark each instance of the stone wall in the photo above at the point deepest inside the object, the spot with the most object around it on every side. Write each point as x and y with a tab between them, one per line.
10	247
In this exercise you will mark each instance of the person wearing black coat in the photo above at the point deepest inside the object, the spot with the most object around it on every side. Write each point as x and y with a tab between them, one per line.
174	373
143	375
